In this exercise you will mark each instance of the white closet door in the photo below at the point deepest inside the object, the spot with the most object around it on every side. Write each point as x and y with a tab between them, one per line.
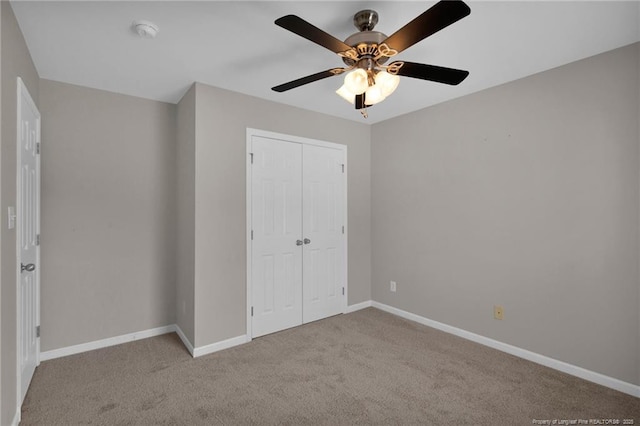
28	226
322	213
277	226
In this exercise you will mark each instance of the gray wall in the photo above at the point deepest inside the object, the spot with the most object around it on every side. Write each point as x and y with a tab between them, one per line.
186	196
16	62
526	196
222	118
1	217
108	214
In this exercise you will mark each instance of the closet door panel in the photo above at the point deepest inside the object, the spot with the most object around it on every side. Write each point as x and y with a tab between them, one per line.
276	259
322	219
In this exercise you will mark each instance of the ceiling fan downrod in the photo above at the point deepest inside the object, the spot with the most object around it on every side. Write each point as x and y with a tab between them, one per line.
365	20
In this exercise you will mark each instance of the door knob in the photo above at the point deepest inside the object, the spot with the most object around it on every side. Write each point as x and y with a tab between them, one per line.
29	267
307	241
298	242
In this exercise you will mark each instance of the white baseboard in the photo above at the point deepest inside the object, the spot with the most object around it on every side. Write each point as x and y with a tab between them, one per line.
104	343
184	339
358	306
571	369
208	349
16	418
117	340
218	346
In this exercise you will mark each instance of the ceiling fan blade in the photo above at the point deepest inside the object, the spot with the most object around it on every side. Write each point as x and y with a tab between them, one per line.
304	29
433	73
439	16
308	79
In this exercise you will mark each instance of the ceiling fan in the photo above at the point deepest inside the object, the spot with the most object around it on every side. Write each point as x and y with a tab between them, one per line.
368	80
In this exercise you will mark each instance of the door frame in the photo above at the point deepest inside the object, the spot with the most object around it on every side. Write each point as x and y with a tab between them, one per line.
23	91
304	141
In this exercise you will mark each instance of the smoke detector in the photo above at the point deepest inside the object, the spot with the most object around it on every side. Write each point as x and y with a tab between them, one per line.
145	29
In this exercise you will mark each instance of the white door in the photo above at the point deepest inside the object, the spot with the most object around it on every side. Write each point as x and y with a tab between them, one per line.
276	246
323	257
296	253
28	227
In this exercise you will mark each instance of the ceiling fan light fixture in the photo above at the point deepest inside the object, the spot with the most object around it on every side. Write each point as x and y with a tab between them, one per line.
345	94
356	81
367	81
387	82
373	95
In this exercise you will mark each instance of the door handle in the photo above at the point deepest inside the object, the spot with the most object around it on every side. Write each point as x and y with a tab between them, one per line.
307	241
29	267
298	242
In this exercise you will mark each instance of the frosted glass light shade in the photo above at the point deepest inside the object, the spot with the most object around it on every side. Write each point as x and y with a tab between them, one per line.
346	94
356	81
387	82
373	95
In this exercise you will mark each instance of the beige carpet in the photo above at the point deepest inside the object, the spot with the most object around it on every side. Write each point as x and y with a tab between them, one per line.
368	367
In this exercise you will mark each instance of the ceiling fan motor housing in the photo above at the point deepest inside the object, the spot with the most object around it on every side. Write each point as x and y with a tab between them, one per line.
366	44
365	41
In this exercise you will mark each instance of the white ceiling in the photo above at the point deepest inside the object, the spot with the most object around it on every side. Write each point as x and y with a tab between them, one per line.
235	45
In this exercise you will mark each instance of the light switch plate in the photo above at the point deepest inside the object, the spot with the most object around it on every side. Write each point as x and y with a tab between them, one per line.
11	218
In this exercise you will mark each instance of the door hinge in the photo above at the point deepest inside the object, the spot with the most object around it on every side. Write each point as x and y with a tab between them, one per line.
251	154
38	148
342	168
252	235
38	331
252	311
343	229
343	291
38	239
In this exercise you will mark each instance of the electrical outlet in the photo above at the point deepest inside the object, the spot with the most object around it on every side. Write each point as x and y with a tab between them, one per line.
392	286
498	312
